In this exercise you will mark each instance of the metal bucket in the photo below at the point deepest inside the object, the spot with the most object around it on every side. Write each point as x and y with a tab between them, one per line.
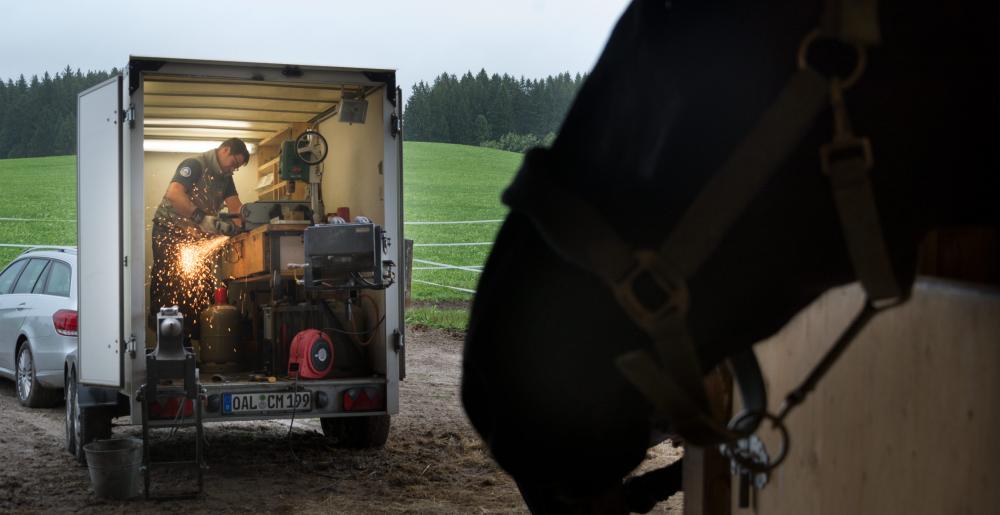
115	467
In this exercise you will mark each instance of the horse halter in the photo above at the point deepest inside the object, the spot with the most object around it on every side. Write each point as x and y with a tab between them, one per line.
650	286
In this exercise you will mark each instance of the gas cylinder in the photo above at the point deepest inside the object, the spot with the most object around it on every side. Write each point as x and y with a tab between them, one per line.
220	331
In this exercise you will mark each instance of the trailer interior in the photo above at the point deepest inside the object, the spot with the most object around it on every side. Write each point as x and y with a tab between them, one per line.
269	297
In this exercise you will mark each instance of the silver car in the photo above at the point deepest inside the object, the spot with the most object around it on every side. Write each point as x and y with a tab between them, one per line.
38	322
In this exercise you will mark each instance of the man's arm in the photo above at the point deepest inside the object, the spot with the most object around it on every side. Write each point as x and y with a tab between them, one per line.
178	197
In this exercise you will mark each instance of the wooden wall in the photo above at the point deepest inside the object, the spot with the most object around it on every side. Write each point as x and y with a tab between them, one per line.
907	422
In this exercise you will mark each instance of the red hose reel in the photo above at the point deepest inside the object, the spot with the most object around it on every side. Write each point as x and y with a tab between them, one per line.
310	355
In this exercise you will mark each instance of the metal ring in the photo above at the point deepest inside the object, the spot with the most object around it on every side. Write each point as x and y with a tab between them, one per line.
751	465
851	78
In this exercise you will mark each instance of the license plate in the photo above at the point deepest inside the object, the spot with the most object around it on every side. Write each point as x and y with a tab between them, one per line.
269	402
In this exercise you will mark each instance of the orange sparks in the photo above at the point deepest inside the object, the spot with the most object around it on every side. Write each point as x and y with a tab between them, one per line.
193	257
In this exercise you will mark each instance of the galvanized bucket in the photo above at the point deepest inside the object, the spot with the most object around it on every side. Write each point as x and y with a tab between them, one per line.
115	467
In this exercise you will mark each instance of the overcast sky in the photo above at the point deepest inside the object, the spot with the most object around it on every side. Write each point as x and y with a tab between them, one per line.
419	38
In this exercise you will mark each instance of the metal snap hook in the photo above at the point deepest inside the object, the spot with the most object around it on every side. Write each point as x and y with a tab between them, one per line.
845	82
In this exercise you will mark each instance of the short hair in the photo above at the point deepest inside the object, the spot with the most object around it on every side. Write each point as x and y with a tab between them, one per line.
236	146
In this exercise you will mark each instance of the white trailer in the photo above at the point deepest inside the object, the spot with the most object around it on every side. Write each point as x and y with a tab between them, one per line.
133	131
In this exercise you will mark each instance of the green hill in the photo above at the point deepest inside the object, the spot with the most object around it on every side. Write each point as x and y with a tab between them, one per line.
442	183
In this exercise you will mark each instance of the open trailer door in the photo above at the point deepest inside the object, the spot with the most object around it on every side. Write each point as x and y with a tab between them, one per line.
99	234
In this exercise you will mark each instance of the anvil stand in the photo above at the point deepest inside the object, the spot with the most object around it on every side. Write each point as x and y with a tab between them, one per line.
170	360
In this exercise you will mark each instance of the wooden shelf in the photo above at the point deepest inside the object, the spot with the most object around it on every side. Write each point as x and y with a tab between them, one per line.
268	167
268	189
289	132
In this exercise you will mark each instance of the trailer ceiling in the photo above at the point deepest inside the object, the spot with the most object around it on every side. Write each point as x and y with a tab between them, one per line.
186	108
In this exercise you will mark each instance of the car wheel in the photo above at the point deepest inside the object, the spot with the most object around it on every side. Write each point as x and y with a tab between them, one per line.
357	432
29	392
89	424
70	389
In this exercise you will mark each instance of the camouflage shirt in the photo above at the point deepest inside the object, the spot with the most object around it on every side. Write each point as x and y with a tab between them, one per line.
205	184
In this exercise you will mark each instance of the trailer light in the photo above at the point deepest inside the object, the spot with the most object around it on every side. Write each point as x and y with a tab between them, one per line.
65	322
186	146
363	399
171	408
322	400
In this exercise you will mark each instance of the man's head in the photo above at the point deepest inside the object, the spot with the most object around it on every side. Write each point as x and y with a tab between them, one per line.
232	154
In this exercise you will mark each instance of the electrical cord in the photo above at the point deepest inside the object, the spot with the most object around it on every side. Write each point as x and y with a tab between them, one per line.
291	447
371	334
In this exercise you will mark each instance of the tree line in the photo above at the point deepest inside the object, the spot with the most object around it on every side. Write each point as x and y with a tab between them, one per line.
38	117
499	111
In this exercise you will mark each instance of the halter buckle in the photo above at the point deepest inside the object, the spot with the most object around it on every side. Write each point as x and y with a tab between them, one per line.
649	292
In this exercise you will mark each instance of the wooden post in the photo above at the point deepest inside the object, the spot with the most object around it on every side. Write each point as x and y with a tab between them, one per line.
707	482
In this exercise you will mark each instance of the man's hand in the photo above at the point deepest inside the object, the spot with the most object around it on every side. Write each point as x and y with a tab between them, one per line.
208	224
213	225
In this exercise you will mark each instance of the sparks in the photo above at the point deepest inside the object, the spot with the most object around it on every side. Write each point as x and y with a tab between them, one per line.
193	258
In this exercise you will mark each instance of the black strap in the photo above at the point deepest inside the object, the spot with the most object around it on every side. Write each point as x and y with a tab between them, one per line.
672	380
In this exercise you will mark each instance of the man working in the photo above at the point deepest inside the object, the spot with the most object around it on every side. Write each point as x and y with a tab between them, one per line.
188	214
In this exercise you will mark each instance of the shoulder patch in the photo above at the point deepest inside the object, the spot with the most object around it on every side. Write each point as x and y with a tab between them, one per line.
185	171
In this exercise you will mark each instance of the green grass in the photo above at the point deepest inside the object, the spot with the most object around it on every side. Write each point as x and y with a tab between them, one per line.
450	319
38	188
442	182
445	182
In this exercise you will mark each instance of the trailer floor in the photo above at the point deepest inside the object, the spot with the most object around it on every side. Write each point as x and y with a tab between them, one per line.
433	462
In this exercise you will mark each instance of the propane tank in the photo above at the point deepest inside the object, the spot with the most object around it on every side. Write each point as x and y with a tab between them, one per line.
220	326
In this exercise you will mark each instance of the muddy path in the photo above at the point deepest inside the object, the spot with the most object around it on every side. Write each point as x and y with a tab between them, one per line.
433	462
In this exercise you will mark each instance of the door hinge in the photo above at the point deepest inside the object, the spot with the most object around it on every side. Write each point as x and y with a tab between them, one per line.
128	115
131	346
395	125
125	261
397	341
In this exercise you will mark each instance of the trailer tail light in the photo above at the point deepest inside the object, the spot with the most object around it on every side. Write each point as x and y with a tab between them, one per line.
64	321
170	408
363	399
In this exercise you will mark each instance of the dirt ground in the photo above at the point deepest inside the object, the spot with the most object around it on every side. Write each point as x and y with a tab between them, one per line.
433	462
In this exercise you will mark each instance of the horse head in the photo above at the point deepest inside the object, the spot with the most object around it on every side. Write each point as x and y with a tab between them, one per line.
672	104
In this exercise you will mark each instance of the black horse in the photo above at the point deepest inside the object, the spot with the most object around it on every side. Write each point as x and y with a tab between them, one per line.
678	87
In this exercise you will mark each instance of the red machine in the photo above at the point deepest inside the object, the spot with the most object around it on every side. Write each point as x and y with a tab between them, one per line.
310	355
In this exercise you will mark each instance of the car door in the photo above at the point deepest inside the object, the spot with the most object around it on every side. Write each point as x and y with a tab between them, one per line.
21	298
8	336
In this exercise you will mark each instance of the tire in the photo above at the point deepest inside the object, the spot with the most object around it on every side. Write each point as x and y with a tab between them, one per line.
357	432
88	424
29	392
70	388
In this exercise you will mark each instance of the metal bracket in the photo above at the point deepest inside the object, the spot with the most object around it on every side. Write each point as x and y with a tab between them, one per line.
749	449
128	115
395	125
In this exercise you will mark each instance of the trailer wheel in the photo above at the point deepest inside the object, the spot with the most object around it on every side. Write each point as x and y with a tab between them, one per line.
88	424
357	432
70	390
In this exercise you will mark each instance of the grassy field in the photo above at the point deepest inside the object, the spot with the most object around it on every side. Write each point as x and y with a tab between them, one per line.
42	188
448	183
442	183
